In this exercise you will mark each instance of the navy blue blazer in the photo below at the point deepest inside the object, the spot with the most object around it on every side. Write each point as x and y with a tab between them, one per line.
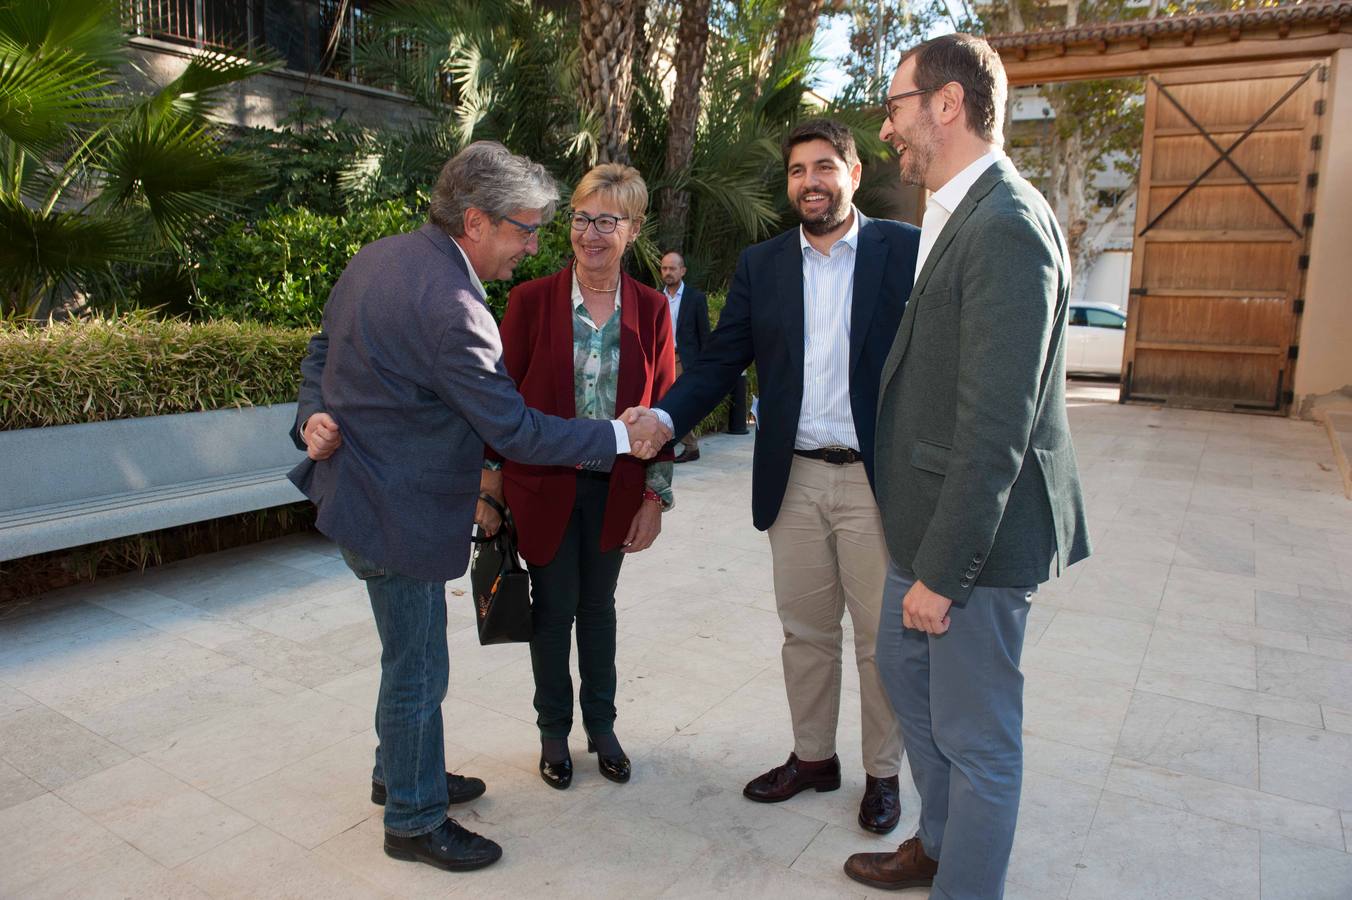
762	322
409	363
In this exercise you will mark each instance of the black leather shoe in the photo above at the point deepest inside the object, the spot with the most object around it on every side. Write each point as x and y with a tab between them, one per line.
687	456
557	774
616	768
449	847
459	789
880	810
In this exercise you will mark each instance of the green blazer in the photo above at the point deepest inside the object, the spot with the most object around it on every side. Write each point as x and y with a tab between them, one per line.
976	475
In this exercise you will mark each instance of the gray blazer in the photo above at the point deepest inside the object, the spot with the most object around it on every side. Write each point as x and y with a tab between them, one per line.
409	363
976	475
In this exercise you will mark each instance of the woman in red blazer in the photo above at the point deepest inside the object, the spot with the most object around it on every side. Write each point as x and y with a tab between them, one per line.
588	341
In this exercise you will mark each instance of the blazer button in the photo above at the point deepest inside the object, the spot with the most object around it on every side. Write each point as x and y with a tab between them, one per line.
977	557
966	582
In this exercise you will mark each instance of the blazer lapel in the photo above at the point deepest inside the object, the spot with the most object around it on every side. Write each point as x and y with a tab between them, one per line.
978	191
870	261
980	188
629	381
789	276
559	321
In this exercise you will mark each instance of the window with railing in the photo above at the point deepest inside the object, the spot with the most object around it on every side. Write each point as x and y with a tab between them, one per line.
317	37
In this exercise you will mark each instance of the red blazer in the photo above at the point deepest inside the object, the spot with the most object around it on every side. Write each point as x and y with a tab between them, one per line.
537	348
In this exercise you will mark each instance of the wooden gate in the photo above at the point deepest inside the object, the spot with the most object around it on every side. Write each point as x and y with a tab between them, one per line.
1227	183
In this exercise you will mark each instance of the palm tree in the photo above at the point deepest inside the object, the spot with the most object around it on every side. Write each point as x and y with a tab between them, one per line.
606	43
503	70
797	26
692	42
93	178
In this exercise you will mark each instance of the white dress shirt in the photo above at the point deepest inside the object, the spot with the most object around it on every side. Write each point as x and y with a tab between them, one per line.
826	418
675	303
473	275
942	202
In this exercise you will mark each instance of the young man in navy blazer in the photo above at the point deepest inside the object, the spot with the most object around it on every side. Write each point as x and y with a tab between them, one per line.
816	309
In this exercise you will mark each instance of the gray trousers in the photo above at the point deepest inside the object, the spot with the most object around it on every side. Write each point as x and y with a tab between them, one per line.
959	699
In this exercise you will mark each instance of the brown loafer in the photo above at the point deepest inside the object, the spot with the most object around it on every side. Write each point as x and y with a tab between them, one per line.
880	810
908	867
795	776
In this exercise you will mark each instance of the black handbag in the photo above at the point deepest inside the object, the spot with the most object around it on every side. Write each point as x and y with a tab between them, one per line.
500	584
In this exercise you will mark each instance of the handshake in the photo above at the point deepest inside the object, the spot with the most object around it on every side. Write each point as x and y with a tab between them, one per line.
647	434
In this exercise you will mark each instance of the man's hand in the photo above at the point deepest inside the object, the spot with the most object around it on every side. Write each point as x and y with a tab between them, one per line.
647	435
485	516
924	610
645	528
321	436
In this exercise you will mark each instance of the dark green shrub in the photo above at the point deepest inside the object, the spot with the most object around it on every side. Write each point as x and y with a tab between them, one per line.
280	269
135	365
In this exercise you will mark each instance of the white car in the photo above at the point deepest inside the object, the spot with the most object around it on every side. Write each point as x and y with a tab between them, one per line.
1095	337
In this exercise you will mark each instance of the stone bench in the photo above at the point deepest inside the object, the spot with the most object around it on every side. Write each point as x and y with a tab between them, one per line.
70	485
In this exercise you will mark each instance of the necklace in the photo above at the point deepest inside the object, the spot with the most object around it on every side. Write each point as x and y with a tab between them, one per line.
578	276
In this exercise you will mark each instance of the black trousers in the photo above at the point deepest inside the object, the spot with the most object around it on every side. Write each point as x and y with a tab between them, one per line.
578	584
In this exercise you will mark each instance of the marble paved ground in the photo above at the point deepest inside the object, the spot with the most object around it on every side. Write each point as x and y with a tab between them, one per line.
204	729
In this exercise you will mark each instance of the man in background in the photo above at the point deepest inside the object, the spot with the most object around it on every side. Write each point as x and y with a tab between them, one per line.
690	325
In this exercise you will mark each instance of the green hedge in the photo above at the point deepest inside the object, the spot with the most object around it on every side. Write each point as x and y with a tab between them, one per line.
280	269
133	365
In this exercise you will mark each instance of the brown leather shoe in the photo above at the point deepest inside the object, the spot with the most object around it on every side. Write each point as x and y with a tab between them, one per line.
880	810
796	775
908	867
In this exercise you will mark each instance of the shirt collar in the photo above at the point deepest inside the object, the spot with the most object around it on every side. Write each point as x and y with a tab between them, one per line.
851	238
952	193
680	292
473	275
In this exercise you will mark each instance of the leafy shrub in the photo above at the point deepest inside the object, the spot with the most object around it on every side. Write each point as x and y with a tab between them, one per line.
280	269
134	365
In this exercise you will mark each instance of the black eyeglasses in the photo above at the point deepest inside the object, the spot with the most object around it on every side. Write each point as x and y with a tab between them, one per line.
605	224
529	229
888	101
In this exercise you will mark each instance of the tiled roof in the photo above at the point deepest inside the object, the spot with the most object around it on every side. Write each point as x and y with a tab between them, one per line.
1334	13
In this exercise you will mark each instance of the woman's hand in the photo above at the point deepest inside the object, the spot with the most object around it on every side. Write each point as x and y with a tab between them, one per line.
647	525
487	518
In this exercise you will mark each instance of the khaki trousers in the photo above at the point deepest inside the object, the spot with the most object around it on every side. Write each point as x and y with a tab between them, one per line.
689	441
829	556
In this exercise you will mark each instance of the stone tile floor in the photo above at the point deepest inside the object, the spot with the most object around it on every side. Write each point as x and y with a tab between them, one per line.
204	729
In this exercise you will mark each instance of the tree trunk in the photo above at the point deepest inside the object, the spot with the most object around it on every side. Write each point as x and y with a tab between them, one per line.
606	38
798	24
692	42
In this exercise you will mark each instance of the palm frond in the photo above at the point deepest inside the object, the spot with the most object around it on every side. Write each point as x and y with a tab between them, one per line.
197	90
41	256
43	97
176	171
88	29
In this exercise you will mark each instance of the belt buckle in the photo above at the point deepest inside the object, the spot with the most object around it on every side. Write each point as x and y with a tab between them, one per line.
837	456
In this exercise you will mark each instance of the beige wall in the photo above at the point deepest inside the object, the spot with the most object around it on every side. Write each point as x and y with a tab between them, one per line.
1325	363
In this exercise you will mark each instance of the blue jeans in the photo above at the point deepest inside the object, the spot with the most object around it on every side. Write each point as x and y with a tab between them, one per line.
959	699
414	673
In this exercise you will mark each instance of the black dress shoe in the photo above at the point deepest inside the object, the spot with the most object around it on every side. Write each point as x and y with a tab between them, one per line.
557	774
459	789
880	810
616	768
449	847
796	775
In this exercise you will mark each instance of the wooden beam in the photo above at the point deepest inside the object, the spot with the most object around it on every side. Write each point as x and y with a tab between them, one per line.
1162	53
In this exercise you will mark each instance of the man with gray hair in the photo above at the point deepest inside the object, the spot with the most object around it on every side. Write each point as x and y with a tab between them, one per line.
401	390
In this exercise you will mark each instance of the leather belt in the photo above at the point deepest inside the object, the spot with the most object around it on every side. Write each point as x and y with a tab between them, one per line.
836	456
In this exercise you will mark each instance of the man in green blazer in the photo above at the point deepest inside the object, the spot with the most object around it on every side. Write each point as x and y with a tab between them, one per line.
976	476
